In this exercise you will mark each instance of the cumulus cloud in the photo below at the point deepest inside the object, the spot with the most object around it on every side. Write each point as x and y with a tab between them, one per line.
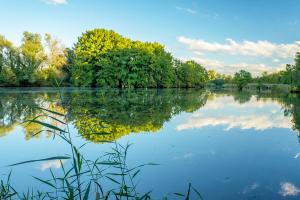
221	101
289	189
56	2
262	48
188	10
243	122
247	119
224	68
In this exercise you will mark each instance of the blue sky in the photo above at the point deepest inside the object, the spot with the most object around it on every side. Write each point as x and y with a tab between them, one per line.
257	35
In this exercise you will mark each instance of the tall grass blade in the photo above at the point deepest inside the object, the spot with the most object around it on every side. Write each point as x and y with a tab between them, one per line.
47	125
51	111
46	182
40	160
87	192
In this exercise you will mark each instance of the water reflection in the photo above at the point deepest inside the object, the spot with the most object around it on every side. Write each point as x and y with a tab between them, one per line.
250	112
95	114
239	144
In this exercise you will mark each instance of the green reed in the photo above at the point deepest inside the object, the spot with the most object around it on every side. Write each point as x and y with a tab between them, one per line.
83	178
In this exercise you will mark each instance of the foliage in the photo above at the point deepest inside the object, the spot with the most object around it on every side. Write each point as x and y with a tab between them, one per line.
104	58
26	60
94	112
51	73
242	78
296	73
110	60
93	43
190	74
32	63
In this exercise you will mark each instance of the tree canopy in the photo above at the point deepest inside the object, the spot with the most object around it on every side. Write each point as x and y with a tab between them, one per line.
104	58
242	78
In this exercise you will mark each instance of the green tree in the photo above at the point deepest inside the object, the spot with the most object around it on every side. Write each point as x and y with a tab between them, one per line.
93	43
7	77
296	73
26	60
104	58
56	57
190	74
242	78
5	47
212	75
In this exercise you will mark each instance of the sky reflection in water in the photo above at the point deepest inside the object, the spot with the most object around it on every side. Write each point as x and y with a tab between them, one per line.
229	145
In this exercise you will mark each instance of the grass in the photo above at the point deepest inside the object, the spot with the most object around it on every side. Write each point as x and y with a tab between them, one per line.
85	179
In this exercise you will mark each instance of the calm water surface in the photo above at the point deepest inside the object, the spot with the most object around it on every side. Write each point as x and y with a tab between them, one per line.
228	145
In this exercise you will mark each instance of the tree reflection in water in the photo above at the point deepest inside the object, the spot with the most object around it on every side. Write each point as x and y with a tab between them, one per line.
96	114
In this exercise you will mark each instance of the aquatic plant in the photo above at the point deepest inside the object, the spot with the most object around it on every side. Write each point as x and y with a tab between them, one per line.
108	177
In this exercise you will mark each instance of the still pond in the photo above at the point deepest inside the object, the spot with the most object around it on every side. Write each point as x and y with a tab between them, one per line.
229	145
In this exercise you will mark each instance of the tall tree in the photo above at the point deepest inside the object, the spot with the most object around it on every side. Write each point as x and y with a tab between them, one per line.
56	59
26	60
242	78
296	74
5	47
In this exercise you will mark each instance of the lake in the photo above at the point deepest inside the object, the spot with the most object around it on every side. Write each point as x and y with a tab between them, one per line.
229	145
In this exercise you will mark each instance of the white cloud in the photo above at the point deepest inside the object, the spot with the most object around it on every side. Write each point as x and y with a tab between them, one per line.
247	119
51	164
297	155
185	156
243	122
188	10
250	188
262	48
289	189
255	69
56	2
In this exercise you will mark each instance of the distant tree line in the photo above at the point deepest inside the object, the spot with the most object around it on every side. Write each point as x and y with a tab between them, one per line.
104	58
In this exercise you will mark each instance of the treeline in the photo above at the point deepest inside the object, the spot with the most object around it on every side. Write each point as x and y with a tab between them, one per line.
289	76
36	62
100	58
104	58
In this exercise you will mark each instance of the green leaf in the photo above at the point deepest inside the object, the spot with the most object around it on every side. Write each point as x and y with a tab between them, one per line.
179	194
87	192
136	173
51	111
40	160
46	125
45	182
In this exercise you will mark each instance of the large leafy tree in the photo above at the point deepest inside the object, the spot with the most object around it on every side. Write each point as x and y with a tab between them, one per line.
7	78
190	74
242	78
56	58
106	59
5	47
296	72
26	60
92	44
